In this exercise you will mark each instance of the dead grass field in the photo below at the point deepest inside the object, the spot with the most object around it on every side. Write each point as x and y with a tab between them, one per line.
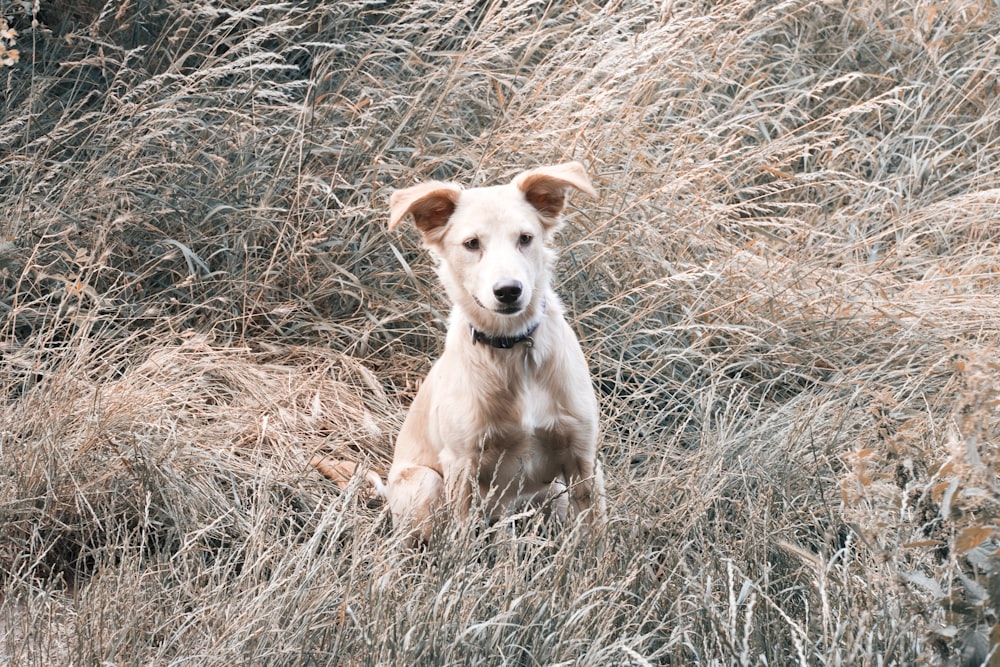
789	295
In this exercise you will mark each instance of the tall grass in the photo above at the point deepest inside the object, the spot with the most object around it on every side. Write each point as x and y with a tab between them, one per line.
788	295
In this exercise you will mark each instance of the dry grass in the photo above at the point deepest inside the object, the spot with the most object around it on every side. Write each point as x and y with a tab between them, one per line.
789	294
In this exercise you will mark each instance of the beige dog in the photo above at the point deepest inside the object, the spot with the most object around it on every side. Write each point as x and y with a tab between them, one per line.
508	412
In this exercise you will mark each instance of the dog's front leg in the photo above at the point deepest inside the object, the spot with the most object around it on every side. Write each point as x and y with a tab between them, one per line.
586	489
461	485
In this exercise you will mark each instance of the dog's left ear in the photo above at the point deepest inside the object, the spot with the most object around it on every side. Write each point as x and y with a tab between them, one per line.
545	187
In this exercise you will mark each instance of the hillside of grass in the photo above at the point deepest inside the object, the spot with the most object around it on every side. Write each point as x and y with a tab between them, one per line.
788	294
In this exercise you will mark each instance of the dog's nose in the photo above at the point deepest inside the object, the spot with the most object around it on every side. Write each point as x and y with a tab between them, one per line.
507	291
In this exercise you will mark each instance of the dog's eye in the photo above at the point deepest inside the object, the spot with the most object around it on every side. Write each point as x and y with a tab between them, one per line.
525	239
472	244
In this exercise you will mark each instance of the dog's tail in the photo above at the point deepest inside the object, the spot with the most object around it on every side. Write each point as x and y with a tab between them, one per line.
341	472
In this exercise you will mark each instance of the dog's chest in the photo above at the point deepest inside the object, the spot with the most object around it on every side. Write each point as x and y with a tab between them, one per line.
530	437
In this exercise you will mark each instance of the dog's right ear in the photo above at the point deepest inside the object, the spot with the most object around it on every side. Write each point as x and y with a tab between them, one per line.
430	204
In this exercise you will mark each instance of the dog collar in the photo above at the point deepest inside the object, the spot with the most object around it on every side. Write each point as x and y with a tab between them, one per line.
507	342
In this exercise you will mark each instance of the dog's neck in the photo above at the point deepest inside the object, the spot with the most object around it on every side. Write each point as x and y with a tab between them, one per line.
507	342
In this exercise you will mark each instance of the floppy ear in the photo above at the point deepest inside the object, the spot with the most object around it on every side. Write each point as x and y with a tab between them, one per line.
545	188
430	204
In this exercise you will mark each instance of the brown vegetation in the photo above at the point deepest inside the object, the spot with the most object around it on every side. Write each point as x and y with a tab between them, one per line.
789	293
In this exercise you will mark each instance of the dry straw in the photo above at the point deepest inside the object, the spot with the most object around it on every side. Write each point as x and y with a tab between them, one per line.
788	293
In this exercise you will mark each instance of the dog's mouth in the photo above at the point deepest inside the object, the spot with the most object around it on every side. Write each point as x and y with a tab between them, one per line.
502	309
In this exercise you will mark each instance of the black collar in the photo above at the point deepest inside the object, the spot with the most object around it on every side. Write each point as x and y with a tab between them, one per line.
507	342
504	342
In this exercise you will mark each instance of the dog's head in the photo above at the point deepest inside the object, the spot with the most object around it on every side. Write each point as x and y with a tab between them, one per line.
492	242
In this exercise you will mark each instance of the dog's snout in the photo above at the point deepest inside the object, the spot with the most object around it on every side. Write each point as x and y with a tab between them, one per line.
507	291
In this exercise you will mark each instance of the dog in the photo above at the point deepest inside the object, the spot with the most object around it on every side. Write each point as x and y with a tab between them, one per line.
507	414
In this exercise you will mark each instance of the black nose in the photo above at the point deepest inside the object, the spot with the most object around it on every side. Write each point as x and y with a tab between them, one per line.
507	291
